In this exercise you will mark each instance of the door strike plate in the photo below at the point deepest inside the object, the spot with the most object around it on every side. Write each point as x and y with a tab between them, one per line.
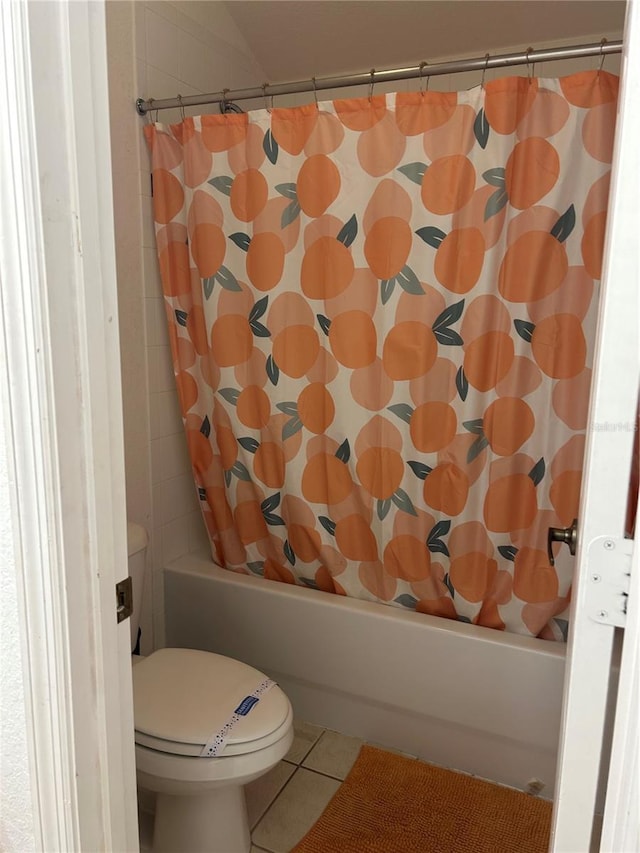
607	582
124	599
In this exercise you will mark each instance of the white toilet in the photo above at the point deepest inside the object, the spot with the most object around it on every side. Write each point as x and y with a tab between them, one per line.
205	726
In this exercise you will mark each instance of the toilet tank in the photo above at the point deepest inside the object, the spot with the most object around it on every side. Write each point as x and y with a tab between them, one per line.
137	541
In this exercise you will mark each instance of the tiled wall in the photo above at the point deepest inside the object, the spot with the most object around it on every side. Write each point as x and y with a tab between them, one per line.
161	49
158	49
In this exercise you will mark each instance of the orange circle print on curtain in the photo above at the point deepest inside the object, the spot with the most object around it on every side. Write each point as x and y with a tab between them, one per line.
382	315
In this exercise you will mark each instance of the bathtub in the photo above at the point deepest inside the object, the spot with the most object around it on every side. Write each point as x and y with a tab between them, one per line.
459	696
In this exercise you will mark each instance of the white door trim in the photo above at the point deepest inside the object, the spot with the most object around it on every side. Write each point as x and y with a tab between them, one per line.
60	384
25	365
583	753
621	826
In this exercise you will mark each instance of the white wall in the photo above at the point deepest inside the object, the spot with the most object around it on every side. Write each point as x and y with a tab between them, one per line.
158	49
161	49
16	812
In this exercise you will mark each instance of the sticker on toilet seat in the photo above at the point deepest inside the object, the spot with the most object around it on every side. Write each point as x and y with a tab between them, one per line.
218	740
246	705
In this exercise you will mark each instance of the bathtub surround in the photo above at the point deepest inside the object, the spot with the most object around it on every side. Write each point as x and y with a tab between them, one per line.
185	47
381	314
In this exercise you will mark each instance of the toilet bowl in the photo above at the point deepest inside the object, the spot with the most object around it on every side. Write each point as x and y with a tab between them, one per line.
205	726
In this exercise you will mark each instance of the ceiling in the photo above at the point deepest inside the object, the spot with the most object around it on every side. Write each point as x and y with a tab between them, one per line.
297	39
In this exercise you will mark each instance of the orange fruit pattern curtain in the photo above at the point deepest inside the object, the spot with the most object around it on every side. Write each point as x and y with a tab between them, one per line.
382	315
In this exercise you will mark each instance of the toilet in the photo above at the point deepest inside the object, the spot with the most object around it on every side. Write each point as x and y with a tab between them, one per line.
205	726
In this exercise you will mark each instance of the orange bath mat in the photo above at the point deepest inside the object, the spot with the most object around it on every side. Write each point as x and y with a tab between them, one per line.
392	804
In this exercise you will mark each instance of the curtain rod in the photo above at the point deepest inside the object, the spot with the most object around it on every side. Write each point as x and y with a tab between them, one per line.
530	56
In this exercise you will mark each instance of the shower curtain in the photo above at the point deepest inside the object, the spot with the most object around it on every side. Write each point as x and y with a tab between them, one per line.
382	313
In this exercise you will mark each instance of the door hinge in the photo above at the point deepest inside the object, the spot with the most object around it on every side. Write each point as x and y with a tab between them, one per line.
124	599
608	580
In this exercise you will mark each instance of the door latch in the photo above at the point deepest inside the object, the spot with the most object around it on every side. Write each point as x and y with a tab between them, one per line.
124	599
568	535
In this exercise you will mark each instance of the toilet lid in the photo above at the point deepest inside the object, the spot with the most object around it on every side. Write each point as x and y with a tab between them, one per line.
184	696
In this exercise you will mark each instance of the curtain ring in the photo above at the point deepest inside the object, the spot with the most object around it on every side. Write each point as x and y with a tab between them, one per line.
182	113
315	92
373	71
530	70
224	102
152	120
423	65
264	95
487	56
602	44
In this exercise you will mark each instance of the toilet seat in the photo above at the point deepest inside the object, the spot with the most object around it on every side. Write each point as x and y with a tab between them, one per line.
184	696
188	749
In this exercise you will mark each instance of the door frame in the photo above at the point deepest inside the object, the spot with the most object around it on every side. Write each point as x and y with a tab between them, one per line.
589	691
61	392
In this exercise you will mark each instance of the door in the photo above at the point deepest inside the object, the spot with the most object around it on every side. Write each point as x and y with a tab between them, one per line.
604	557
62	414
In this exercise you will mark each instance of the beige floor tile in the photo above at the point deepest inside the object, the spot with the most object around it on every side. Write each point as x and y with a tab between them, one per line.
295	811
263	791
305	736
334	754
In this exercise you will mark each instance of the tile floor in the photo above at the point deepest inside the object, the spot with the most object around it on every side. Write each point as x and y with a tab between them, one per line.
284	804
